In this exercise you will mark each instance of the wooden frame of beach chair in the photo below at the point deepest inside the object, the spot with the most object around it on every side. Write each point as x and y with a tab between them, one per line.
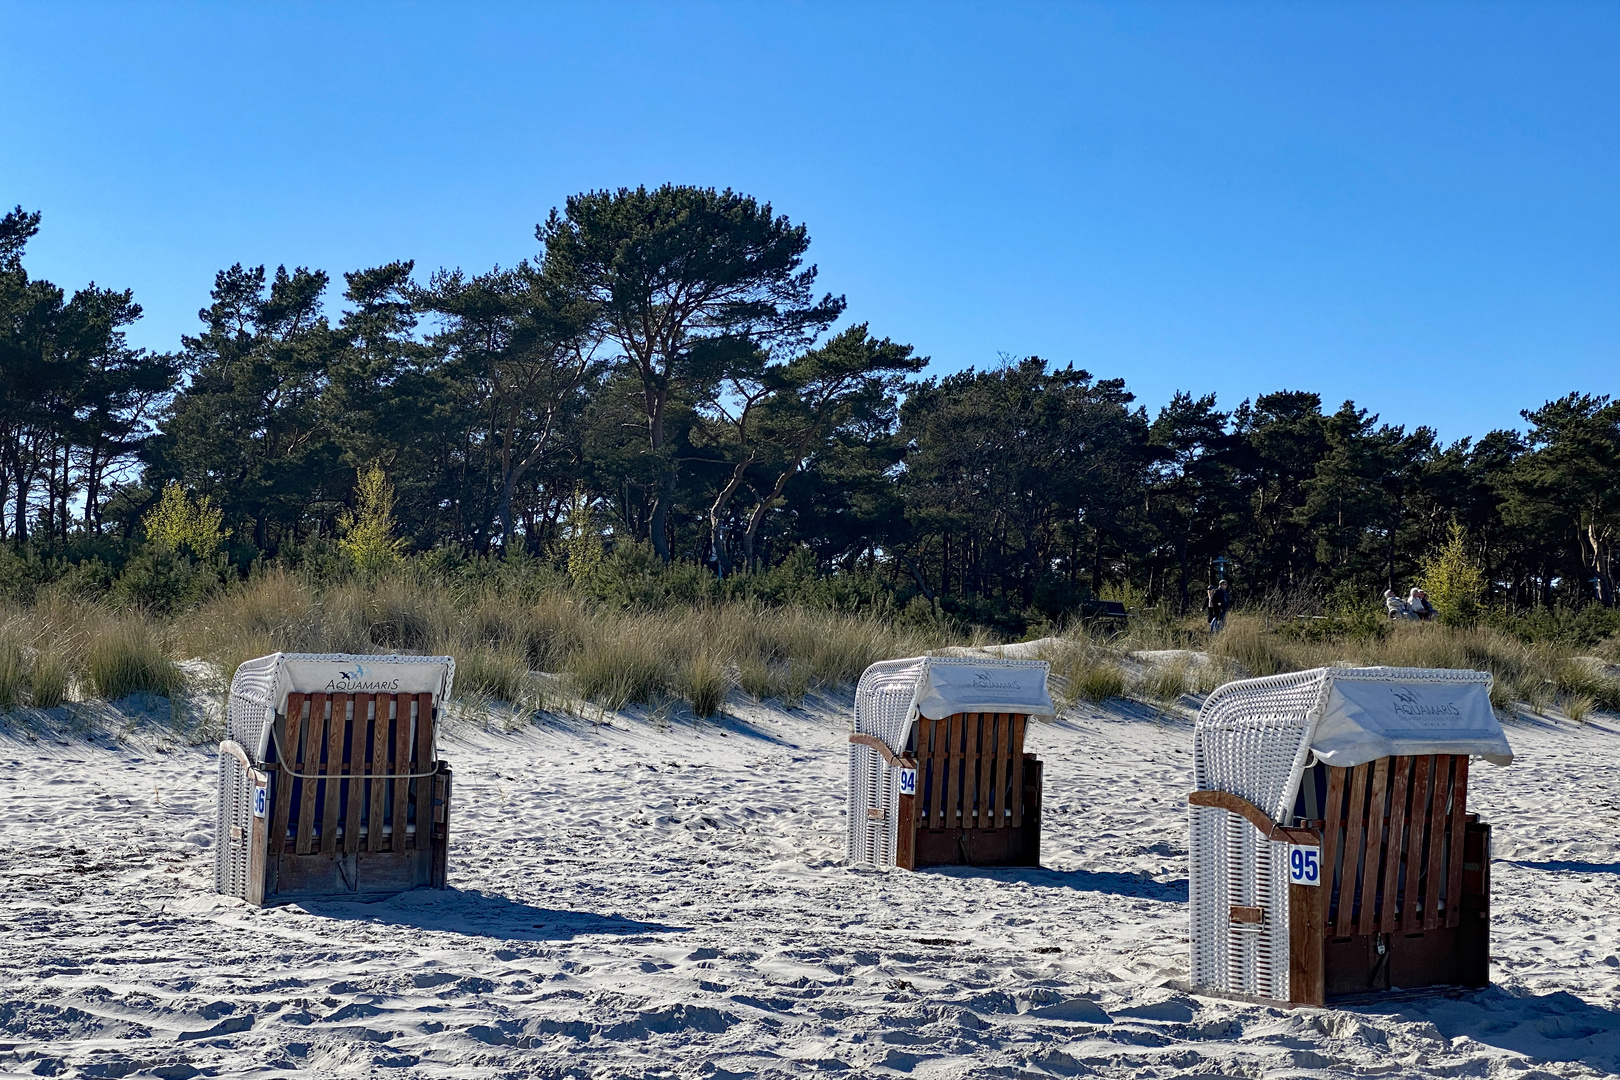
955	789
1401	899
344	795
977	799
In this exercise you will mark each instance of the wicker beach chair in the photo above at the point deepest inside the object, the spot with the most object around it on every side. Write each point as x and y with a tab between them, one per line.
1332	852
330	783
937	769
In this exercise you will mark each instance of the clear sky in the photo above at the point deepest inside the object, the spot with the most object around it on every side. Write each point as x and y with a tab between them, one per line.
1412	205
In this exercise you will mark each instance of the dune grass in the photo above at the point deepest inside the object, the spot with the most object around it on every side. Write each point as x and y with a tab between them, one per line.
1540	677
501	636
13	668
124	656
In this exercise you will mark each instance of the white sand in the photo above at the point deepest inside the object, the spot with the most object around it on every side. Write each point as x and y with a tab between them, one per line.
630	901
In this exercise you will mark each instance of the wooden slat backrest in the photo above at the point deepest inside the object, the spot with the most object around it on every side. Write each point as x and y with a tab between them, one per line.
1355	821
1392	844
281	794
970	771
995	791
401	754
421	761
1439	792
1333	812
1367	918
354	763
976	790
309	763
1457	824
331	800
1396	847
939	765
343	745
379	765
1015	776
1421	768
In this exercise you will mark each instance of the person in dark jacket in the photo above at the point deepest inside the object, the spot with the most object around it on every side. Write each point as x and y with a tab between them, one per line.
1216	603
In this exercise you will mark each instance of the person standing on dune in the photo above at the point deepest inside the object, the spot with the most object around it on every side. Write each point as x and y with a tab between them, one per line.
1217	601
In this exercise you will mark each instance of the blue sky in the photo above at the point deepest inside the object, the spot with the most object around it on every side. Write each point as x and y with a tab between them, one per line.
1410	205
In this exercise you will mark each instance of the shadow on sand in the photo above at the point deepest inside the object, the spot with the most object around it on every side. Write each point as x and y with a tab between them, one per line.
1111	882
1556	1027
480	914
1570	867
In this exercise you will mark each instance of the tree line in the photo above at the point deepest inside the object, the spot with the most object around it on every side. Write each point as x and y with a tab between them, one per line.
665	372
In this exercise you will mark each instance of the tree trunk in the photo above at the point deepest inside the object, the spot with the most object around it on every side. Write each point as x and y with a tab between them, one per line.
658	526
1181	556
721	560
765	504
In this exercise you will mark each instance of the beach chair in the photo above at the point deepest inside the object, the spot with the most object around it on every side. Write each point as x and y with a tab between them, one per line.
1332	852
330	783
937	769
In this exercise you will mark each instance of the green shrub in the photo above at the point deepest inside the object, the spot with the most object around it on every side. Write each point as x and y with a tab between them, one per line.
368	539
159	581
1453	579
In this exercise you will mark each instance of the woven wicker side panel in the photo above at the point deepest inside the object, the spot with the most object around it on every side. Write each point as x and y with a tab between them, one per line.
232	820
1209	901
872	840
1249	738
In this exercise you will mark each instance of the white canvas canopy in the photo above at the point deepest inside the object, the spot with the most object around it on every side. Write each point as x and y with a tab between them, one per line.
268	680
893	693
1369	713
948	686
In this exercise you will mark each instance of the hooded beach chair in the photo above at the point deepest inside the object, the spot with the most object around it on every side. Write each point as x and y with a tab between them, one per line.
1332	852
330	783
937	769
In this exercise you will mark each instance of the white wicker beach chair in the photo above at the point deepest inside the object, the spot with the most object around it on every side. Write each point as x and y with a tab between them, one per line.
1332	853
937	769
330	783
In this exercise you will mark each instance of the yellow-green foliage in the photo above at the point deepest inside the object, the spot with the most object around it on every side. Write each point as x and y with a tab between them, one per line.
184	523
1453	579
584	539
368	531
